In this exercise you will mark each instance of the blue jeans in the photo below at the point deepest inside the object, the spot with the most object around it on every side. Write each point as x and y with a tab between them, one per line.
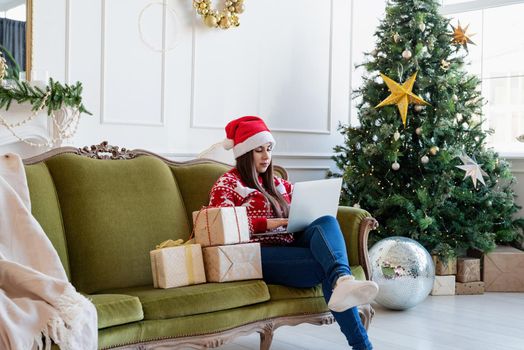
318	255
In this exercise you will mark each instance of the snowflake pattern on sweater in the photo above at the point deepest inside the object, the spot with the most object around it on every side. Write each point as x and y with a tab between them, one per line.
230	191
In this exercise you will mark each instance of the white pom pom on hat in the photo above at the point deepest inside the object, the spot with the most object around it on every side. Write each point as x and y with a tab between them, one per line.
228	144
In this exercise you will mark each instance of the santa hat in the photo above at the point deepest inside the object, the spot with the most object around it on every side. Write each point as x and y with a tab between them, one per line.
245	134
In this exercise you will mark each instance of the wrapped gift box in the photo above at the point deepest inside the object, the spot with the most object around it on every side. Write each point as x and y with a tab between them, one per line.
504	270
444	285
233	262
468	270
221	226
469	288
444	267
177	266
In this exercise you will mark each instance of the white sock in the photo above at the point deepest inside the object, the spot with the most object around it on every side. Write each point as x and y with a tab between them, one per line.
349	292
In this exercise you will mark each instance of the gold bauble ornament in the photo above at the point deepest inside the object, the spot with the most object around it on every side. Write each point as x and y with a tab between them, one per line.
396	37
460	37
401	95
224	22
211	21
434	150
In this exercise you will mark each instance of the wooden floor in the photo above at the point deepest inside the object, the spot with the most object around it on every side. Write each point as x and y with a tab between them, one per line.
493	321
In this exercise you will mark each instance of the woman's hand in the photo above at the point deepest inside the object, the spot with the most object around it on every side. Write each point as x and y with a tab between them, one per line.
274	223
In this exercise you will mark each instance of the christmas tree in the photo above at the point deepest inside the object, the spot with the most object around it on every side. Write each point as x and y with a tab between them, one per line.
418	161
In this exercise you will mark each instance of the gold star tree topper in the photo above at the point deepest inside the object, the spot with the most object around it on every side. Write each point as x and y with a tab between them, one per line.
460	37
401	95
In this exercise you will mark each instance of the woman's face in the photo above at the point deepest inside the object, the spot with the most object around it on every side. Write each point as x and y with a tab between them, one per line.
262	157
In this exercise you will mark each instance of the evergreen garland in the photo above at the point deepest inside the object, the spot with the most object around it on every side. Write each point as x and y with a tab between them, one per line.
53	97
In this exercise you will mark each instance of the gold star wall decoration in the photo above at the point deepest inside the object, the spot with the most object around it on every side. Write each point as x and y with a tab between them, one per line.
401	95
460	37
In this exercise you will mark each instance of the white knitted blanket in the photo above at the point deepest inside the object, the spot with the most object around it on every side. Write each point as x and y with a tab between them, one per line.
38	305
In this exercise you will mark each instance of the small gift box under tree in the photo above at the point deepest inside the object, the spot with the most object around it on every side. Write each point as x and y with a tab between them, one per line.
468	270
504	270
444	285
468	288
445	266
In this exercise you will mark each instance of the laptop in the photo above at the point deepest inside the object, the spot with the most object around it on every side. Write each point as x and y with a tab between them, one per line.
310	200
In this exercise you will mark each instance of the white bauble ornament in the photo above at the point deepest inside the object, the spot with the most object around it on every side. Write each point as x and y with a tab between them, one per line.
419	108
418	130
424	160
406	54
374	52
422	27
465	125
395	166
459	116
396	135
356	205
455	97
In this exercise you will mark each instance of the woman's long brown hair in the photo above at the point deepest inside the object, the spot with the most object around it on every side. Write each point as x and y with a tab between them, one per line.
249	175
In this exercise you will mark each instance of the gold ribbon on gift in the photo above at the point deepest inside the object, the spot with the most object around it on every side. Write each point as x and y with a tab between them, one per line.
189	255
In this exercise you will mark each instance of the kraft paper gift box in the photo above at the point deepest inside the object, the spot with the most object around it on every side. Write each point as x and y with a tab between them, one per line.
221	226
504	270
177	266
444	285
233	262
468	270
446	266
469	288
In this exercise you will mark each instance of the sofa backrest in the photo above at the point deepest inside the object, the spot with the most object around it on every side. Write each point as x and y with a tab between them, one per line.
104	215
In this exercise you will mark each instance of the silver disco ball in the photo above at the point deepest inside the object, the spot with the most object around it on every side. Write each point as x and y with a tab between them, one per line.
403	270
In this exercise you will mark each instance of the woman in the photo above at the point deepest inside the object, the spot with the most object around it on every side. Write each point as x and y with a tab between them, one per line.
303	260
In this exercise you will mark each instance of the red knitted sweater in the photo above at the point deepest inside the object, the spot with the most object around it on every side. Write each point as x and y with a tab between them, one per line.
230	191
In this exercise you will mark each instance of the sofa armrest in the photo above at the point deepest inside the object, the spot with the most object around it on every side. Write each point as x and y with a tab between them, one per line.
355	225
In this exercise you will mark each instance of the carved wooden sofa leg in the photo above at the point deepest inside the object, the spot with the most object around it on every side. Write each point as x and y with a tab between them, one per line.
266	336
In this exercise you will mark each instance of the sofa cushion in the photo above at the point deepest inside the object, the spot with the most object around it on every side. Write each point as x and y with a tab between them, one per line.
195	181
116	309
207	323
196	299
279	292
115	212
46	208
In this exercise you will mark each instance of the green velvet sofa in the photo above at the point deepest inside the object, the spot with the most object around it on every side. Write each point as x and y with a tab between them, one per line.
105	208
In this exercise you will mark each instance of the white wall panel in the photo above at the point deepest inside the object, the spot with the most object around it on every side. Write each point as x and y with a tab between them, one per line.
132	76
276	66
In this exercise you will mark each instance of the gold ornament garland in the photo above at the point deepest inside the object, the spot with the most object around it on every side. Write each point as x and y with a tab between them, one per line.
224	19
